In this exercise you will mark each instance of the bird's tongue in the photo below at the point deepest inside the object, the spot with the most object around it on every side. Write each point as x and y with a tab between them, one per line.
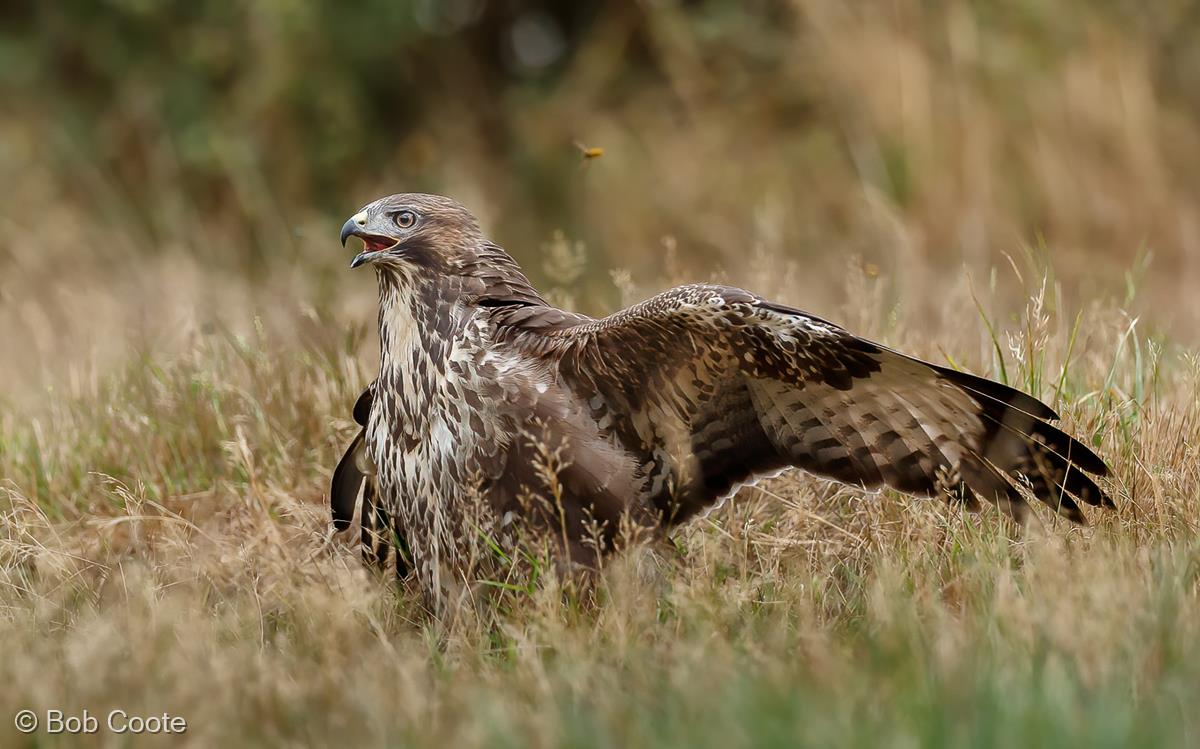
375	244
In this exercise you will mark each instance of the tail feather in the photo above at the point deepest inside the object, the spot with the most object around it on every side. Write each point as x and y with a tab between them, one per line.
376	530
345	486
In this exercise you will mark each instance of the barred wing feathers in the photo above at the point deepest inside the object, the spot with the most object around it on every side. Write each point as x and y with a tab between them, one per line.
716	386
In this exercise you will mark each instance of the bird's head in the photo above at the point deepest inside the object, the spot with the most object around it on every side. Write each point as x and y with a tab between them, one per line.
420	231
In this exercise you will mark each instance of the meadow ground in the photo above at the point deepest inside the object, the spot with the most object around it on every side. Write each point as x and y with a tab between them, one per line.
165	547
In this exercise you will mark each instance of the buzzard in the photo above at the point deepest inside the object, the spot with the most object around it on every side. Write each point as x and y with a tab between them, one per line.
496	415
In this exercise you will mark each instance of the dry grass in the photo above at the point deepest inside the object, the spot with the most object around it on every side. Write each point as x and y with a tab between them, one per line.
963	183
165	548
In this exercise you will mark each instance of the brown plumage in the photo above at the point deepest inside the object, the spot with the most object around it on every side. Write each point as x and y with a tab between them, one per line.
643	419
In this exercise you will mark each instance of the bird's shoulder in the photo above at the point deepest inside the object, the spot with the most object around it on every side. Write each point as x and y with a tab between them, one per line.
698	309
544	317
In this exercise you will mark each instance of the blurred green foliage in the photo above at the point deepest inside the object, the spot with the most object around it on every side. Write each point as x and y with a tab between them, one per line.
309	94
249	115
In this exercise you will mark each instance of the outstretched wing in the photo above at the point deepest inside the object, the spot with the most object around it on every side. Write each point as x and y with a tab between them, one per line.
715	386
378	532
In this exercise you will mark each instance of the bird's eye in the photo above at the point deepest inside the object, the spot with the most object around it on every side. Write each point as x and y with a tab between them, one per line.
404	219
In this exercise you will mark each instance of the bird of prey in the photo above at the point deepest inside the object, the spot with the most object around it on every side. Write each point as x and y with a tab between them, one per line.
496	415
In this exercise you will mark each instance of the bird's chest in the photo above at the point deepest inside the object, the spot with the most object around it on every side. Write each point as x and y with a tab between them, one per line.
434	413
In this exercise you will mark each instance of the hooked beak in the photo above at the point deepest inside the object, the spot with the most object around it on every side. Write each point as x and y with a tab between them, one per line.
354	226
373	246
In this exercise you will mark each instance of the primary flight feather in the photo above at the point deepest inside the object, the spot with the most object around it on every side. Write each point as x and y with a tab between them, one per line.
496	414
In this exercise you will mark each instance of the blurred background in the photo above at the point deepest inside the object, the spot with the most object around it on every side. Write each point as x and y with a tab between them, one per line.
1007	186
167	168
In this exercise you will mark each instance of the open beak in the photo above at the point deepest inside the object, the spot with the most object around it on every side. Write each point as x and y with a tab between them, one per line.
373	246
